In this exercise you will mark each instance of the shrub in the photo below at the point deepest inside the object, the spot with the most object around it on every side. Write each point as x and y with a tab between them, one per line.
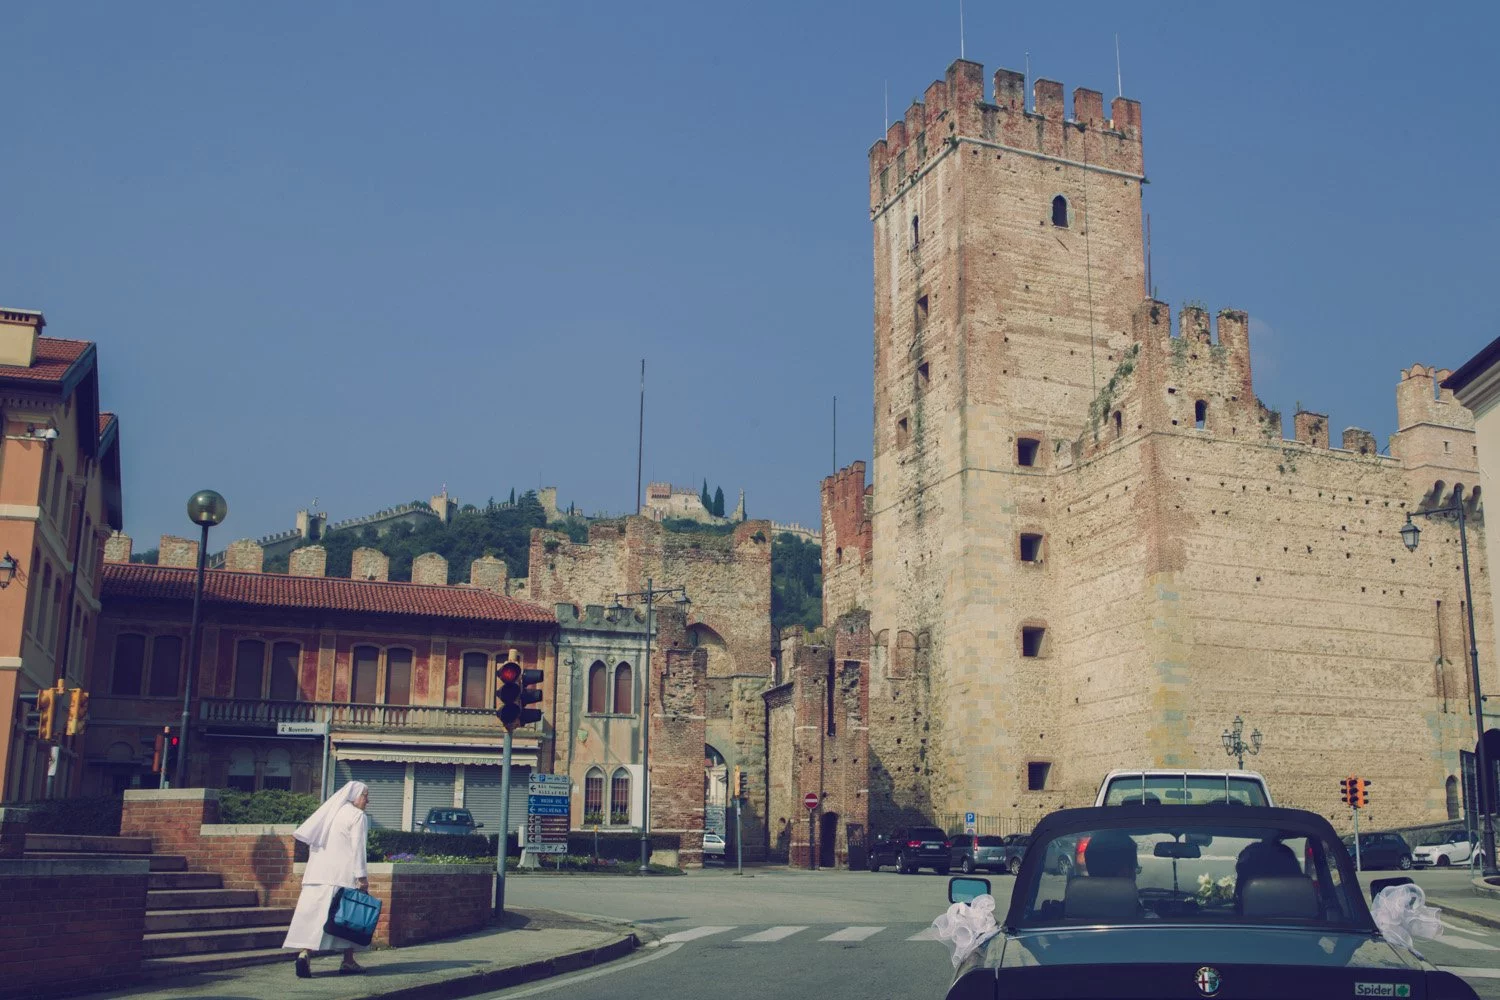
268	807
89	817
384	843
619	845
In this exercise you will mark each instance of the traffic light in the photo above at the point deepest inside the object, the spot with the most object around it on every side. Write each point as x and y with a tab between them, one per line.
1346	791
166	746
78	711
46	706
1361	792
514	692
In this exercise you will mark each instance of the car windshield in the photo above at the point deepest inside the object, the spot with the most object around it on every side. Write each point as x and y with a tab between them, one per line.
1184	790
449	816
1443	837
1187	873
925	833
989	841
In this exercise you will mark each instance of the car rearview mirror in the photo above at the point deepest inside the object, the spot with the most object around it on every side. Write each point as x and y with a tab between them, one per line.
478	825
1170	849
966	890
1385	883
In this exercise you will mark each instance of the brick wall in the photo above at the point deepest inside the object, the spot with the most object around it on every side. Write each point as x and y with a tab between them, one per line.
171	817
70	925
679	696
425	902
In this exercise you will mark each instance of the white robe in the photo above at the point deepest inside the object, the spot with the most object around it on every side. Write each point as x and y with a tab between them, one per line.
341	862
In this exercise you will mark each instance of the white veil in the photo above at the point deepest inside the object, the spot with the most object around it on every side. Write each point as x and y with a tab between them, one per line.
314	830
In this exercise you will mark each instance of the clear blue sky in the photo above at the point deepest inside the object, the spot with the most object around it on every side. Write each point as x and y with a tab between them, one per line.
357	250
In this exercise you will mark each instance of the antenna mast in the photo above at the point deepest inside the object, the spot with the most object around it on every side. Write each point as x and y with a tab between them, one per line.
960	29
1119	86
835	434
640	441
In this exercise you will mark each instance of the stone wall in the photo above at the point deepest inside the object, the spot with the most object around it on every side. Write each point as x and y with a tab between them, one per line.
679	699
427	902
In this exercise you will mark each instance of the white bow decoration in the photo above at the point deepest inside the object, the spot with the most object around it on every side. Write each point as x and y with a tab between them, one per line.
1401	912
966	926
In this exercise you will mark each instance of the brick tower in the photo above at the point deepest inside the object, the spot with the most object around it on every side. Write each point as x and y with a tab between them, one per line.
1008	260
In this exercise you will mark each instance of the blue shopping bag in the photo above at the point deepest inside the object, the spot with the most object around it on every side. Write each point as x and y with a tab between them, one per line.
352	916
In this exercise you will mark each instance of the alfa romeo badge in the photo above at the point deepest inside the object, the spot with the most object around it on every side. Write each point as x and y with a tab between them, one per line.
1207	980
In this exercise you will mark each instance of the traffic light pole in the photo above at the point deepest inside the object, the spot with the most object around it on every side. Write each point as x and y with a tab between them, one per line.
1357	865
739	847
504	826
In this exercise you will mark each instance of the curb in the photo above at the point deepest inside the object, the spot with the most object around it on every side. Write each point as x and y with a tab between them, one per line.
1473	916
499	979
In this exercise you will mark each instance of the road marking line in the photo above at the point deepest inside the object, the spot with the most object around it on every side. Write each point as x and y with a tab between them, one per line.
773	934
1463	970
585	976
1465	944
1463	930
853	934
930	934
694	934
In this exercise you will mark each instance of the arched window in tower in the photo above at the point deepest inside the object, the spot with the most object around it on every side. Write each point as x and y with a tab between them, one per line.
619	798
1452	797
593	796
1200	414
596	688
916	230
1060	212
624	695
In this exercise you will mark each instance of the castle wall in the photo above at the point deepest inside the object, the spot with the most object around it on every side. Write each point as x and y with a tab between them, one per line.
846	547
728	580
1091	545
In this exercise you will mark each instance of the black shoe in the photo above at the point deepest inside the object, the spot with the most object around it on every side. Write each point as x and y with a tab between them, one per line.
304	971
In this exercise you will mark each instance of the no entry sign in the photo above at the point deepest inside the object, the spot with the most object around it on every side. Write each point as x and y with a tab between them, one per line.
810	800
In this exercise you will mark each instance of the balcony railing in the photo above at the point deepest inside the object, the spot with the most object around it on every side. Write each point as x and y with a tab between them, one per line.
341	716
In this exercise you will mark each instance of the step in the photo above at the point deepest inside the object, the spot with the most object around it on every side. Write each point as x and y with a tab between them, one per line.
161	921
159	862
200	942
194	899
184	880
183	965
75	844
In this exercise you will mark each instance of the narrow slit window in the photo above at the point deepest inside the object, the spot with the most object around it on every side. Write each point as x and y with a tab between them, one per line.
885	182
828	698
924	376
1031	640
921	309
1200	414
1026	450
916	230
1119	424
1036	775
1031	548
903	433
1060	212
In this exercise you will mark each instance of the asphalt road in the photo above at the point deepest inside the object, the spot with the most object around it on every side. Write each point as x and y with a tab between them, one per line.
833	935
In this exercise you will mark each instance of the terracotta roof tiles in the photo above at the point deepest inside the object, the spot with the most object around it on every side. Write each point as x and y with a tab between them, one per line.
278	590
53	359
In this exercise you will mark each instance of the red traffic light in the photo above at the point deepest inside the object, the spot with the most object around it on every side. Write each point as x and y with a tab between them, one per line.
510	673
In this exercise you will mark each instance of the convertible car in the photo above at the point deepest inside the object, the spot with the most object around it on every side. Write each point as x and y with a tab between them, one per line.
1190	901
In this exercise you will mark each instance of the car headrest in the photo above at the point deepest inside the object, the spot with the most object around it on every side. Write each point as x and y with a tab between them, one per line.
1288	897
1098	898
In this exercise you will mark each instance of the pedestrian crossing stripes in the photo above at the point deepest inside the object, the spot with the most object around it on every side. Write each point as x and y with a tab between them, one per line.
772	934
781	932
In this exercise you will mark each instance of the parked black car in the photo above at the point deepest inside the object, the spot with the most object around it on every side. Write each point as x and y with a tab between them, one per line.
458	821
1380	850
911	848
973	852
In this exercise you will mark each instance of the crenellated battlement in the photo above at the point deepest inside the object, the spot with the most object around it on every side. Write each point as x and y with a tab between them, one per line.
954	109
1421	399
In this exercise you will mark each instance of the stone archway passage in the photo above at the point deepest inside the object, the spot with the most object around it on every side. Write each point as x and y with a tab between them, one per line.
828	834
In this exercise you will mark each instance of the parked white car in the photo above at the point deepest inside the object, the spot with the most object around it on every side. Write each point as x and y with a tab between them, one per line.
1181	787
713	846
1444	848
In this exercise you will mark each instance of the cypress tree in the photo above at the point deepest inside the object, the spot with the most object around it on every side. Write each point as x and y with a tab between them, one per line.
708	503
718	501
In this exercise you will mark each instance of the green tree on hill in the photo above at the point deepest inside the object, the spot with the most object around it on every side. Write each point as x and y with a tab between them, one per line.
718	507
796	582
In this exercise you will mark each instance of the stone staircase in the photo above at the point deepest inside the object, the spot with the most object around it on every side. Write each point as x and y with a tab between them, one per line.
193	924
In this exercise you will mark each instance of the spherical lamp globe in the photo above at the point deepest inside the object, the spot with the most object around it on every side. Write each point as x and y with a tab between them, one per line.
207	508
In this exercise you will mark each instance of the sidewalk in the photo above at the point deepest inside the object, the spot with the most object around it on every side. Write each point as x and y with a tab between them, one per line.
1471	904
529	945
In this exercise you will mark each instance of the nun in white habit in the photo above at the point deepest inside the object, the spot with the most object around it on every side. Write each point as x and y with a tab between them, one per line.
335	838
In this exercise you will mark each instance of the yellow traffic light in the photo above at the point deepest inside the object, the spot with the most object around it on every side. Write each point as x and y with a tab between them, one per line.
1346	791
78	711
1361	792
46	706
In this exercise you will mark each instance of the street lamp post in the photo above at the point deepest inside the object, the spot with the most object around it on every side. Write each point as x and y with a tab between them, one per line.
1234	744
205	509
1410	535
649	595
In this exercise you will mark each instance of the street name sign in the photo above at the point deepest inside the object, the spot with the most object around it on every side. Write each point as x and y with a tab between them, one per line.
301	729
547	813
810	800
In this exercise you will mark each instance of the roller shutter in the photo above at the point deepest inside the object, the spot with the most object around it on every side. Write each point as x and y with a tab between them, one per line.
482	795
434	790
387	781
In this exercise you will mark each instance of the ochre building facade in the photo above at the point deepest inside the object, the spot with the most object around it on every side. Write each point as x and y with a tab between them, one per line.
1087	544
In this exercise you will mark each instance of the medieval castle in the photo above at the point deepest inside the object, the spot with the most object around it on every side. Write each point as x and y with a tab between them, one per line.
1087	544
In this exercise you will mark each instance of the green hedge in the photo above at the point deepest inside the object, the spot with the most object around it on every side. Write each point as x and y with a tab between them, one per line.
265	808
93	817
387	842
619	845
